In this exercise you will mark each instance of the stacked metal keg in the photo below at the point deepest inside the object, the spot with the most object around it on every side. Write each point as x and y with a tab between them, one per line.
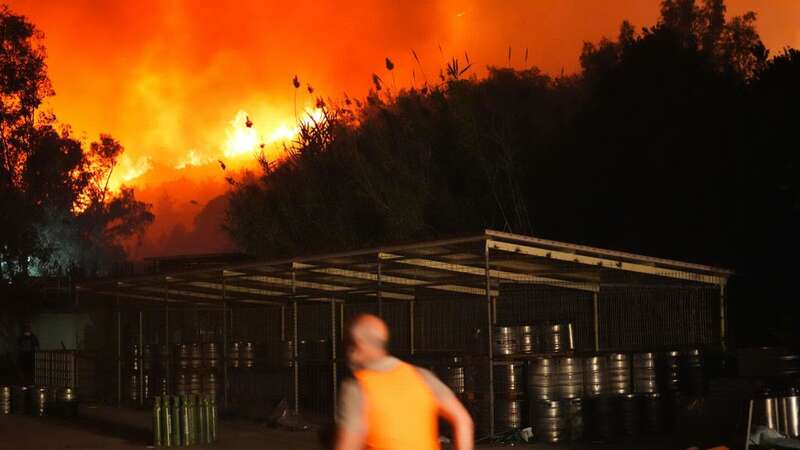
212	364
141	364
198	366
247	355
555	390
39	400
453	373
5	400
536	382
778	408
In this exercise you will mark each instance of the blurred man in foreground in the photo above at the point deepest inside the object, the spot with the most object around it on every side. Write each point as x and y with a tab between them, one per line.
392	405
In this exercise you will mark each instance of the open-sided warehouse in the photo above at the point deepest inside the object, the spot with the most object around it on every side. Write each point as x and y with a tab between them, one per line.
256	333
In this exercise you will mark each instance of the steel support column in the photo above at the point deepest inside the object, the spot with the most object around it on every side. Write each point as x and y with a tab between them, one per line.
119	351
411	326
380	297
341	320
333	356
489	330
283	323
295	363
723	326
225	362
596	320
140	358
167	339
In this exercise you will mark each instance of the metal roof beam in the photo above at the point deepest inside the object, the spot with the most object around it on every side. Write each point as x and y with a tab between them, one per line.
606	263
493	273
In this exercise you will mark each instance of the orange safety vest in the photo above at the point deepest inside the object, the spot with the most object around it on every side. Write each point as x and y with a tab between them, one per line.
400	411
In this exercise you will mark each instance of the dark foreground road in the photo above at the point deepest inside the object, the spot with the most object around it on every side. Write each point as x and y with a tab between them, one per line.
122	429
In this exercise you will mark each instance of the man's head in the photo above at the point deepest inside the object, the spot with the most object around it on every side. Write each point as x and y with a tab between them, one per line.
367	338
26	328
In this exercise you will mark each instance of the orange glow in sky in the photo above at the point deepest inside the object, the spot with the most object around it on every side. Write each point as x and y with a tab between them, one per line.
175	80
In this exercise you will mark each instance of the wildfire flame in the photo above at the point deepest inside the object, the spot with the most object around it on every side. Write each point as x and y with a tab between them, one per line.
192	159
127	170
242	141
241	138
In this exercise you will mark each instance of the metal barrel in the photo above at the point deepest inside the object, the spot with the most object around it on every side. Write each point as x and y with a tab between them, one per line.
166	421
644	373
509	414
669	371
133	388
182	383
177	420
694	373
146	388
505	341
20	400
163	386
247	355
210	385
452	375
528	339
549	419
619	374
594	375
233	355
790	413
630	414
40	396
509	379
67	395
211	355
541	378
182	356
556	338
134	357
195	385
5	400
766	410
195	355
652	416
570	378
157	419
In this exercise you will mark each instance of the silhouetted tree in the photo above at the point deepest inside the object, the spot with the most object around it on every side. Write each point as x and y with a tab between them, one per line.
59	215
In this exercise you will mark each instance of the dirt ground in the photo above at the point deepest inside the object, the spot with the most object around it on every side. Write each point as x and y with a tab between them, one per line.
102	427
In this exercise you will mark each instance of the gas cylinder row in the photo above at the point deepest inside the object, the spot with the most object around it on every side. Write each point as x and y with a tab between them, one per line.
184	420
